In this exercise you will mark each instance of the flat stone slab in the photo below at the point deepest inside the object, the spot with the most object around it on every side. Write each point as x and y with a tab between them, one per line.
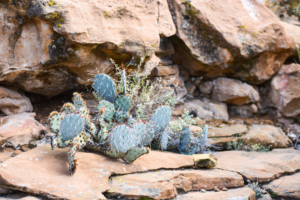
261	166
232	194
166	184
45	171
4	156
227	131
287	187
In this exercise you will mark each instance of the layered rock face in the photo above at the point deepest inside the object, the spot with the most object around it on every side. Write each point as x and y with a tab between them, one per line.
240	39
54	46
214	52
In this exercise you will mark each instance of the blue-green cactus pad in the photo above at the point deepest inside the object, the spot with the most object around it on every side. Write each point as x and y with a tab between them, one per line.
55	121
71	126
122	102
138	132
109	109
164	138
105	87
148	137
130	121
120	116
191	150
185	138
161	118
68	108
78	101
114	154
134	153
121	139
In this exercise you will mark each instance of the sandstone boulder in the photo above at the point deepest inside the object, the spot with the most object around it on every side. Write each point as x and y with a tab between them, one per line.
227	131
55	46
260	166
47	171
267	135
285	90
287	187
205	109
242	111
241	39
234	194
12	102
16	130
165	70
234	92
166	184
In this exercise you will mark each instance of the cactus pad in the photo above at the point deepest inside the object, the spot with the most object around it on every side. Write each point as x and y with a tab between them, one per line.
191	150
114	154
161	118
71	126
121	139
55	121
122	102
68	108
134	153
131	121
185	138
78	101
105	87
138	131
164	138
149	134
121	116
109	109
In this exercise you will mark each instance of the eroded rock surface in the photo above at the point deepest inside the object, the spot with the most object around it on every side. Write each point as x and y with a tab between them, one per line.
287	187
236	38
205	109
267	135
260	166
240	193
47	171
285	90
12	102
166	184
19	129
234	92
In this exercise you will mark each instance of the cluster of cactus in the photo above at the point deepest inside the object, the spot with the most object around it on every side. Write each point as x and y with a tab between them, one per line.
118	135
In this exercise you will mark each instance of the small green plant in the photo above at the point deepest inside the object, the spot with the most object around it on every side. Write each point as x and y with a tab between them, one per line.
255	186
241	145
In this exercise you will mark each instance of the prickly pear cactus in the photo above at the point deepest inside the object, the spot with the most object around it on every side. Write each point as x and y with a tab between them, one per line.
121	139
134	153
55	121
131	121
109	109
161	118
78	143
122	102
121	116
185	138
190	150
138	132
164	138
68	108
71	126
148	137
85	113
78	101
105	87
